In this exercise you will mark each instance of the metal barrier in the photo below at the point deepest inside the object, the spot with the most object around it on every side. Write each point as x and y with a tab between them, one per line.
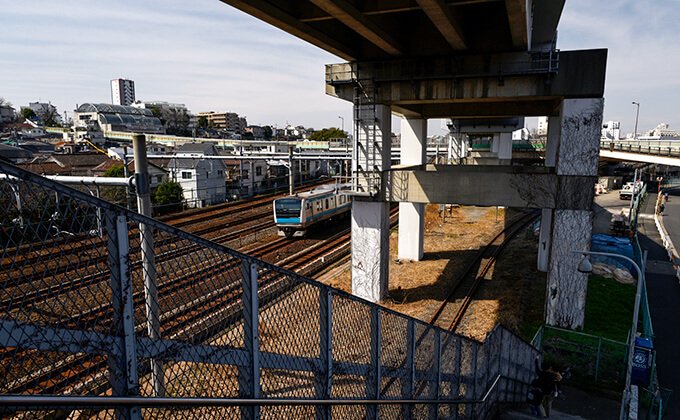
669	148
181	327
589	357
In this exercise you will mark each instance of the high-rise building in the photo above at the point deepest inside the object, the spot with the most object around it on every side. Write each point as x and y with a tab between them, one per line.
122	92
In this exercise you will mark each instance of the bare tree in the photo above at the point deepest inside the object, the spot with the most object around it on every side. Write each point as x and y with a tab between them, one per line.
3	101
48	115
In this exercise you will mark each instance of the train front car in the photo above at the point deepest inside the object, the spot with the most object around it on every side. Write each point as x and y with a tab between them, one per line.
288	217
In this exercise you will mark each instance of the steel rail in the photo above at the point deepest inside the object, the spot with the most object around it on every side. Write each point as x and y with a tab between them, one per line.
470	267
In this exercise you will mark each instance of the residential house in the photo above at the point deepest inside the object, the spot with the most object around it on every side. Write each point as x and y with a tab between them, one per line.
203	180
14	154
157	175
6	114
78	164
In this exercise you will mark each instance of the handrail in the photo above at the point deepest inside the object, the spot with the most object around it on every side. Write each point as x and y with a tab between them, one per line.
90	401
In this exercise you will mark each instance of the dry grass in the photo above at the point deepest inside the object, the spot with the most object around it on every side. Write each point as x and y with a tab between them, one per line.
512	293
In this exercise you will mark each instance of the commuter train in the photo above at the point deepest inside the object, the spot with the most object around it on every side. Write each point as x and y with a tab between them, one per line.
293	214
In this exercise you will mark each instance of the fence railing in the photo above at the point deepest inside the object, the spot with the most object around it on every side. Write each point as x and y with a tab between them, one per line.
589	357
98	323
669	148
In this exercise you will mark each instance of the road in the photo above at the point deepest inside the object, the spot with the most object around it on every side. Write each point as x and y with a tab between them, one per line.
664	295
662	284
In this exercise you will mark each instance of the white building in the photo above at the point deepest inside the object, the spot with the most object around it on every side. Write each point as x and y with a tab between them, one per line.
203	180
162	105
6	114
661	132
122	92
611	130
42	109
106	117
542	128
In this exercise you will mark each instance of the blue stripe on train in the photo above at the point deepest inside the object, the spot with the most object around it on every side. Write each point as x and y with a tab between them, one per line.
287	220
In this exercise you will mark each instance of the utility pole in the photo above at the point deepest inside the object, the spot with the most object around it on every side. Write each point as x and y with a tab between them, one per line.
148	257
637	116
291	173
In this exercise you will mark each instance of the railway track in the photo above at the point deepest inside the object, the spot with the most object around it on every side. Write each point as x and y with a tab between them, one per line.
452	309
218	217
201	317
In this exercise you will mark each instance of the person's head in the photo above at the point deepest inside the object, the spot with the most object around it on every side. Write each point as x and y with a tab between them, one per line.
545	366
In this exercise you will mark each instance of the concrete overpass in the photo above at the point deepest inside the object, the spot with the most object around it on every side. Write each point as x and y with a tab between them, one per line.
483	63
658	152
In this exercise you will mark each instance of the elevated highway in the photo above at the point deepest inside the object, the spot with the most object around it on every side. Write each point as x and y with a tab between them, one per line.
486	64
659	152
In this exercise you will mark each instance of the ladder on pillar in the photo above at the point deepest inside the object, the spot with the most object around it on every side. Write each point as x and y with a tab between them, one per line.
367	162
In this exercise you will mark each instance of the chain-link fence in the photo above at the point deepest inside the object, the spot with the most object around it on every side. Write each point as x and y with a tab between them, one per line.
96	323
590	358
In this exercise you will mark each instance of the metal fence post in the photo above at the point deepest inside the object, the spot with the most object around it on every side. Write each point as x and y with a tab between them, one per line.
324	380
407	384
148	258
249	376
373	377
123	365
597	363
434	408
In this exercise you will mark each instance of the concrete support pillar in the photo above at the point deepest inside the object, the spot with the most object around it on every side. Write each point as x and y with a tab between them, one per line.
370	249
495	143
544	239
457	149
412	215
552	142
372	152
577	155
371	219
505	148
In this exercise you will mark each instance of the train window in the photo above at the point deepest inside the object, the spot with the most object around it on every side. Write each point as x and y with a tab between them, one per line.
326	204
309	206
319	205
287	208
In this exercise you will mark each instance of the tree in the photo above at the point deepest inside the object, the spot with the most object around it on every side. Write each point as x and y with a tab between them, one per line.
48	116
28	113
268	132
116	171
203	122
176	122
169	197
3	101
328	133
158	113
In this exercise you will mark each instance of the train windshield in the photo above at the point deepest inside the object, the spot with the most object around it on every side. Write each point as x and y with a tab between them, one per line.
287	207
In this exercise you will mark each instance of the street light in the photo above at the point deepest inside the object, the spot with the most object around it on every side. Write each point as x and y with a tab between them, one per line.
585	267
343	123
637	115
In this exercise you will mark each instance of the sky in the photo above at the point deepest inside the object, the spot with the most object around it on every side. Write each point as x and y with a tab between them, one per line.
210	56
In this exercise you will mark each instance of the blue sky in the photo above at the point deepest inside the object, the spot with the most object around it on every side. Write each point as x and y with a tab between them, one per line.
210	56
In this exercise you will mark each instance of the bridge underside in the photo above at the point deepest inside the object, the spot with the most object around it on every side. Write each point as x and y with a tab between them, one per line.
639	157
472	60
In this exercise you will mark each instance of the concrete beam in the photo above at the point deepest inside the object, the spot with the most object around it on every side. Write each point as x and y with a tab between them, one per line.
519	18
487	185
639	157
447	22
474	86
350	16
274	16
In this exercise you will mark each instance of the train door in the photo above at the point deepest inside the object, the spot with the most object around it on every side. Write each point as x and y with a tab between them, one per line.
318	208
308	212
